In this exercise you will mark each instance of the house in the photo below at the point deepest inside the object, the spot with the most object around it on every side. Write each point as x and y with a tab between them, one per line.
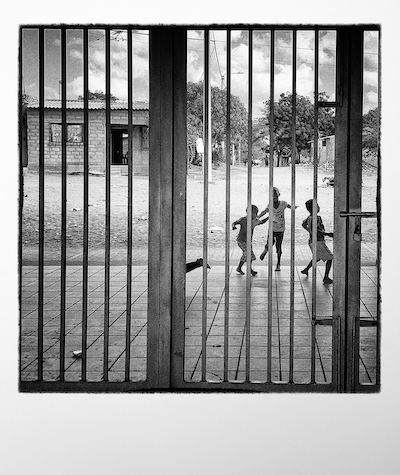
326	151
97	136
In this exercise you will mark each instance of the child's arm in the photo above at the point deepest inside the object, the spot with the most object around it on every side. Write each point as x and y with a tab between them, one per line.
321	228
263	212
305	224
235	224
262	221
288	206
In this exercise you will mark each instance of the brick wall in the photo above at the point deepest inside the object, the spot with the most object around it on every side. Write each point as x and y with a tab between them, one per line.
97	140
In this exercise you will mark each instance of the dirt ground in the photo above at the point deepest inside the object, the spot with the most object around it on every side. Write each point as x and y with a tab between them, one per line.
195	193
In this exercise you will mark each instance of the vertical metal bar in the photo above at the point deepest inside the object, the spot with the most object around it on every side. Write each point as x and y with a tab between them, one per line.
340	242
354	204
41	204
335	320
249	212
293	205
108	209
85	198
154	246
22	145
130	213
207	138
179	178
63	197
270	201
355	200
378	206
314	211
228	202
160	301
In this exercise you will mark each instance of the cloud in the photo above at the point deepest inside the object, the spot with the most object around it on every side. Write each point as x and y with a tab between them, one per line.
118	65
51	92
371	100
218	50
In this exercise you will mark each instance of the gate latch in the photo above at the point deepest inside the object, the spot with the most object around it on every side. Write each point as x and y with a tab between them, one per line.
357	235
357	215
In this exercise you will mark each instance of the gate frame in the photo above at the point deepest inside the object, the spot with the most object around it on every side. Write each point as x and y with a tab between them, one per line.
167	223
348	173
347	253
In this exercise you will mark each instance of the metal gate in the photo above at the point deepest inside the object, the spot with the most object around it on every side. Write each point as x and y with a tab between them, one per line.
151	316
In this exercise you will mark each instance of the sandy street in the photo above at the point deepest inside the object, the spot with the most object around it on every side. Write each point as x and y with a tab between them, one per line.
195	193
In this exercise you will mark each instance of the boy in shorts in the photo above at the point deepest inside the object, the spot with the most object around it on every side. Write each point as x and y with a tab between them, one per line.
242	237
278	226
323	252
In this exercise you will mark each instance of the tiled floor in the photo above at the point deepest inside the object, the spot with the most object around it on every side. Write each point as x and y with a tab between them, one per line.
236	338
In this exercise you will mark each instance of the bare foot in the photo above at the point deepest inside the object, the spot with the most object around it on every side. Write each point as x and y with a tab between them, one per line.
305	272
239	271
253	272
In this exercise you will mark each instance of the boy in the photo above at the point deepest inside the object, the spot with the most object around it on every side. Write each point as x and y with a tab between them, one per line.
242	237
278	226
323	252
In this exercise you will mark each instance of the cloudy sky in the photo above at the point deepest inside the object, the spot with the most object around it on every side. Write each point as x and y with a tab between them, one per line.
218	48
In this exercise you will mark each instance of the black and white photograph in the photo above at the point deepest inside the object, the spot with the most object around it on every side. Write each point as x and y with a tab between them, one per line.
154	162
197	240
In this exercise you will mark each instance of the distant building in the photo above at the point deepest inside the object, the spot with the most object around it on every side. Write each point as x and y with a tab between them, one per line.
326	151
97	136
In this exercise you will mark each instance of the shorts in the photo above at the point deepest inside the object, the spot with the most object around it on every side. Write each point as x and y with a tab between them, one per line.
323	251
243	247
277	238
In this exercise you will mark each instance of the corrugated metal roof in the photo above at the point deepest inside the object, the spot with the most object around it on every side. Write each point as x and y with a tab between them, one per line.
93	105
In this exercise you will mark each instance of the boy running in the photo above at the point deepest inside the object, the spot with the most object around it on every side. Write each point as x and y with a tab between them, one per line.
323	252
242	237
278	226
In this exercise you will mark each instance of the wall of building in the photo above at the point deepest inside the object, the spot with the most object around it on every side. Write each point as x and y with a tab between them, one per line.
97	140
326	151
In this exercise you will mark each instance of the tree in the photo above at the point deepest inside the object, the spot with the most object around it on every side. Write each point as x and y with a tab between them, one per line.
370	132
98	96
304	124
218	118
26	99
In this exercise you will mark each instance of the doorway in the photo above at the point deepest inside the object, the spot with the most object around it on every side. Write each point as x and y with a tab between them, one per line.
119	141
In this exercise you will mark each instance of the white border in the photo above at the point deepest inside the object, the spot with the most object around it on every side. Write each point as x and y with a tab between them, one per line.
198	434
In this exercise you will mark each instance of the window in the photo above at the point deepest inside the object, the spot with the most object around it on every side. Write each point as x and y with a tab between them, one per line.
74	134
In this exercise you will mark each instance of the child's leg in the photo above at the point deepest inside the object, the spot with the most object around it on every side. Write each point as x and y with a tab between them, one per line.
239	267
264	253
306	269
328	266
278	244
253	258
242	246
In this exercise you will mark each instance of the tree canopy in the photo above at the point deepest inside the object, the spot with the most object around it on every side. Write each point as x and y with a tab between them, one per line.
370	131
283	124
98	96
218	117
